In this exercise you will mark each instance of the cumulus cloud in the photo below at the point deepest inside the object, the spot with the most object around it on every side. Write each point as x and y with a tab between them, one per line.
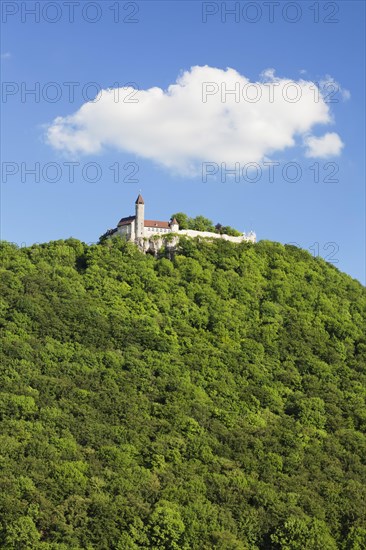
207	115
329	145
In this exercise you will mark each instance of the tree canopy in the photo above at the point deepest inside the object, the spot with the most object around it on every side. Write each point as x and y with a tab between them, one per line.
214	400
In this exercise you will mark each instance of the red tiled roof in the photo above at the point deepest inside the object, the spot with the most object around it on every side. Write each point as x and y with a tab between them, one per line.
154	223
126	221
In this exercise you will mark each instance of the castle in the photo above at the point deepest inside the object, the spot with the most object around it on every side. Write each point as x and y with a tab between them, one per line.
141	231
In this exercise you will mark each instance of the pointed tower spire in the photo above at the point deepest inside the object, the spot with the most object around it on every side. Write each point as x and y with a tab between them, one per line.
140	200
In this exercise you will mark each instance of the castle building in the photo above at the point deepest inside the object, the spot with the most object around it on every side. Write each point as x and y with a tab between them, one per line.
137	229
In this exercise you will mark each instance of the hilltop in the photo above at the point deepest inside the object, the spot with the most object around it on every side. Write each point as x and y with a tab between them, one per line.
212	401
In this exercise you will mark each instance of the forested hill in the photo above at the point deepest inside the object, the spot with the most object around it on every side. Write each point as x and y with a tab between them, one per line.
211	401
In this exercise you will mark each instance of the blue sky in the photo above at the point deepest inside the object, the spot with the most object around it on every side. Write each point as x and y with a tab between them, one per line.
166	41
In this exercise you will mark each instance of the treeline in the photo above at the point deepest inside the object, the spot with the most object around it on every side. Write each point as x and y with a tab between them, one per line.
200	223
211	401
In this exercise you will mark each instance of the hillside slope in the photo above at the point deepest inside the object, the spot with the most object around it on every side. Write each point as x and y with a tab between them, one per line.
215	401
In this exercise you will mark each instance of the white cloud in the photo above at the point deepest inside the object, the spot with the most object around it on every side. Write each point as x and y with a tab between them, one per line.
178	130
268	74
329	145
331	90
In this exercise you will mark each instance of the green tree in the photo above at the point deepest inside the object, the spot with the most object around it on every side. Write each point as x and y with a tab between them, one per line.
22	534
303	534
182	220
166	527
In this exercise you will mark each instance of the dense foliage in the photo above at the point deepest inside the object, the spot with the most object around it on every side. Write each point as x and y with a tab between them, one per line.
215	400
200	223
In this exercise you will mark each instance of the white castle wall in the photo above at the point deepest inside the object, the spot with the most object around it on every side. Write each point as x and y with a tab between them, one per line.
129	232
251	236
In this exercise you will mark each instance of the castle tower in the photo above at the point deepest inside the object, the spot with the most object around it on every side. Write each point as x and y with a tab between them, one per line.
174	225
140	217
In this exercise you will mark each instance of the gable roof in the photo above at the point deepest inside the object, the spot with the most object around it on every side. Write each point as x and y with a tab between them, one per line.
155	223
126	221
